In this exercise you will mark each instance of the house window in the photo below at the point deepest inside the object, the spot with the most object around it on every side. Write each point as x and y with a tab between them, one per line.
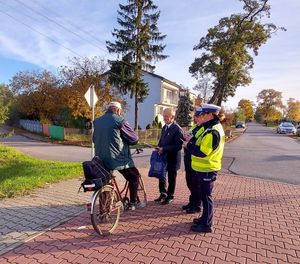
160	110
169	97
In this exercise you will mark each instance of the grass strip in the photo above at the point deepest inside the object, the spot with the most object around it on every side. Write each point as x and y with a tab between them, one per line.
20	174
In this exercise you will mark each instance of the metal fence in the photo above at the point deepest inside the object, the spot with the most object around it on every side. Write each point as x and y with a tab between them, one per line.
31	125
78	134
55	132
149	136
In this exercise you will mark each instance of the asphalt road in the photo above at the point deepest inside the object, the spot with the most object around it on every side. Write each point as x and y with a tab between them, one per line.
50	151
261	152
47	151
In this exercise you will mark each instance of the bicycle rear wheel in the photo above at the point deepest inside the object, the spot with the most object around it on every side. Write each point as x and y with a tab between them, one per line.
141	191
105	211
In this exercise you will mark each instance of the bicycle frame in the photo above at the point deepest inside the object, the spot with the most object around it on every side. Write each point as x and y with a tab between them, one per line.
115	200
125	189
117	189
115	186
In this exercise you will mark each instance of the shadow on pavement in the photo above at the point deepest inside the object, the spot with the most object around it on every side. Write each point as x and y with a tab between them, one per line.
153	222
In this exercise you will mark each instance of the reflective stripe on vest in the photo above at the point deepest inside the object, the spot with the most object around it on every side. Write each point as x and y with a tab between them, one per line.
193	126
199	132
212	162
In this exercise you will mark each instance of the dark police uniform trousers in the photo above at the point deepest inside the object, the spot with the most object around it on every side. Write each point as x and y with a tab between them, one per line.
202	186
188	174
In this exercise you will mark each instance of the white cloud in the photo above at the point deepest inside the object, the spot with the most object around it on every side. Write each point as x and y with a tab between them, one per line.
184	22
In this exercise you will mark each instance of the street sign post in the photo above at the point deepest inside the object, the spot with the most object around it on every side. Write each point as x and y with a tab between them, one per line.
92	98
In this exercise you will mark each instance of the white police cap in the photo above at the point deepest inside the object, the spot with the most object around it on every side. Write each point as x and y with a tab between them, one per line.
115	104
207	108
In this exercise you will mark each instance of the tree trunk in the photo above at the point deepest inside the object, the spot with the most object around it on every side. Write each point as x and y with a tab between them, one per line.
219	93
220	98
214	99
136	112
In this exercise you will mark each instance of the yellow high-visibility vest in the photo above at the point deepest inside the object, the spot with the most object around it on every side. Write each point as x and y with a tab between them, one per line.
213	159
199	132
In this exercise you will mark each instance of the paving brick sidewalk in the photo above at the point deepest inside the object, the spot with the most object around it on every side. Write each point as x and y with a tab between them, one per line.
256	221
25	217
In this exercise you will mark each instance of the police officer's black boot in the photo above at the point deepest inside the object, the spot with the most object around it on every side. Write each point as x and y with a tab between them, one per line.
193	209
185	207
201	228
190	204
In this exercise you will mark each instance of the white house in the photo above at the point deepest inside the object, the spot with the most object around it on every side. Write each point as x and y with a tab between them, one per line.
163	93
193	96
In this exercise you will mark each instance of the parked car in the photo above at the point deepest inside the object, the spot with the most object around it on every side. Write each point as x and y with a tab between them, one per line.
240	124
286	127
298	130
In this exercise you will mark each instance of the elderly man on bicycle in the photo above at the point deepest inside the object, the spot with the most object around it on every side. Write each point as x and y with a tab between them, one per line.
113	137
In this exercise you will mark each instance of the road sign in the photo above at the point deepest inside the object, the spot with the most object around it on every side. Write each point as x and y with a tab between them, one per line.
91	96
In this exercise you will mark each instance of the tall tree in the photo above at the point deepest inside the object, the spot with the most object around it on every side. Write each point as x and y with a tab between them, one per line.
205	88
270	105
293	110
239	115
77	77
273	115
38	94
227	49
6	99
184	109
247	106
138	41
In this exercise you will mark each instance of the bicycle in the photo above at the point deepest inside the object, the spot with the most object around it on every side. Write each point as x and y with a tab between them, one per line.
110	200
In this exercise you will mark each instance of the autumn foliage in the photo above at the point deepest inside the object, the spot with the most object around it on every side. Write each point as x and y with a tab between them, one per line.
45	97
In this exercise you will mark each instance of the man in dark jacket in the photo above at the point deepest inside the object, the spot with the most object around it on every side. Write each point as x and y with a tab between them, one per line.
112	138
170	143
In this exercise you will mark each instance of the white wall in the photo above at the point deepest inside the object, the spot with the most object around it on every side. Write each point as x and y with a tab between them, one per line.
146	109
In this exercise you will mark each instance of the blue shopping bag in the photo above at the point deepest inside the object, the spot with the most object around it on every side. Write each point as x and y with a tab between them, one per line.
158	166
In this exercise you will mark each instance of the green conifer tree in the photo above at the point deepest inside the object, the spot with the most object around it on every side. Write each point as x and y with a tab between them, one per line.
138	41
184	109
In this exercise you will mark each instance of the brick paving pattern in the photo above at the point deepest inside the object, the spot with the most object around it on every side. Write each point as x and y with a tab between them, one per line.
256	221
24	217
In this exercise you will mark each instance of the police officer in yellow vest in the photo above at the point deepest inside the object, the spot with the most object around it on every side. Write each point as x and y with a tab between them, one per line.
193	206
207	151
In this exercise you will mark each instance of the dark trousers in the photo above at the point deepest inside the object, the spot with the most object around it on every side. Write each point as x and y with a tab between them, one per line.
189	172
172	173
202	186
188	176
132	176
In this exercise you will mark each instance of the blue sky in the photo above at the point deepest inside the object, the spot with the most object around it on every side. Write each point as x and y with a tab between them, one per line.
31	41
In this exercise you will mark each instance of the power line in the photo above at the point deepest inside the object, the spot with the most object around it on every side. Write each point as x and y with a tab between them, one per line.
53	40
58	24
75	26
112	73
65	28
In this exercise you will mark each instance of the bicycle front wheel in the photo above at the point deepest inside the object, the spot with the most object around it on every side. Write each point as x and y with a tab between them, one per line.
141	191
105	211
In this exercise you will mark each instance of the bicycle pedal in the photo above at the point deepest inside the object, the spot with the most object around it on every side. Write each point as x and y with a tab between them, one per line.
88	207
